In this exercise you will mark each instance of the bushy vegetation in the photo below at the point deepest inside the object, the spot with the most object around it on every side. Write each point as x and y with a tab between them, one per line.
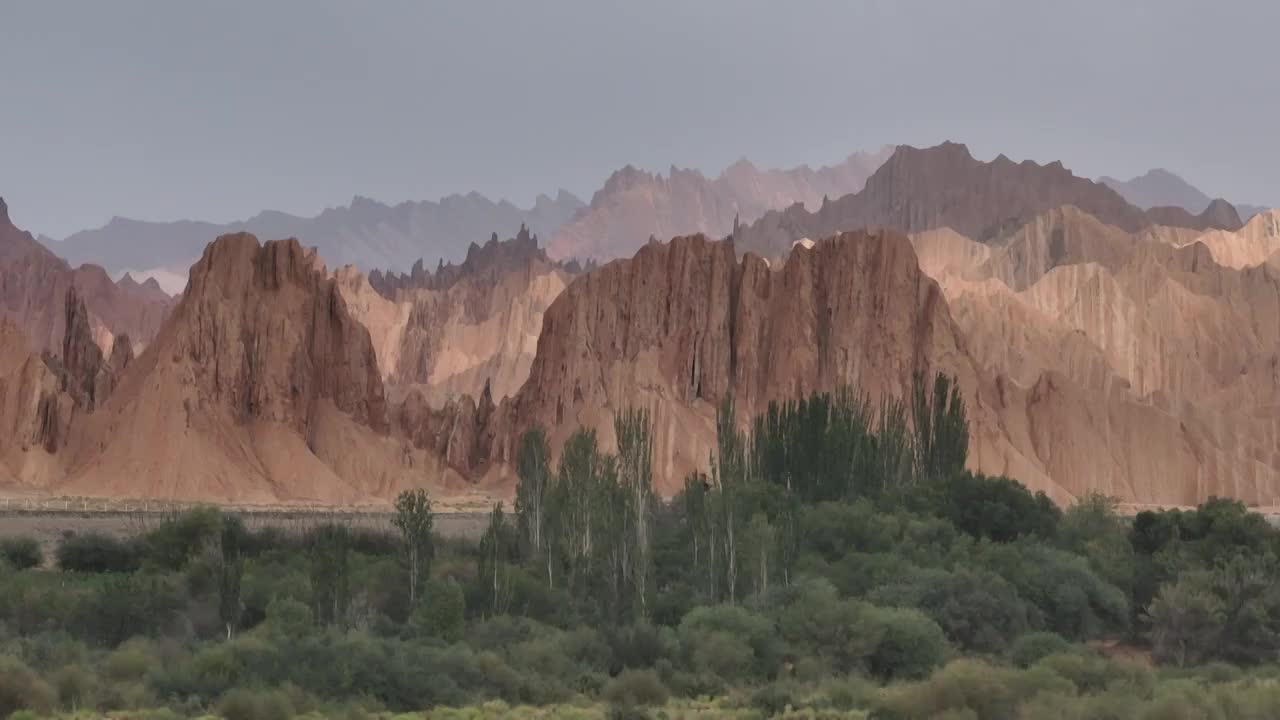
836	561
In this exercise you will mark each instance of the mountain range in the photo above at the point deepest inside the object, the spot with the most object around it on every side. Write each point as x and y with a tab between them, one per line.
1161	188
1099	346
364	233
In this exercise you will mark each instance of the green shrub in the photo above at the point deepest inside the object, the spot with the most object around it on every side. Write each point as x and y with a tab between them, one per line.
97	553
636	687
245	704
175	542
22	689
1030	648
773	699
731	642
441	610
910	645
21	553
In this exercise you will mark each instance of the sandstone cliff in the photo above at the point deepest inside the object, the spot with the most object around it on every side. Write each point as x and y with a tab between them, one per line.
34	283
260	387
683	323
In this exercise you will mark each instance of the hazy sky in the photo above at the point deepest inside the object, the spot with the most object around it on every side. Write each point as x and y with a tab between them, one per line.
164	110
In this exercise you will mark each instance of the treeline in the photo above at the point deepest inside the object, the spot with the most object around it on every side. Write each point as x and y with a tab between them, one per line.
836	560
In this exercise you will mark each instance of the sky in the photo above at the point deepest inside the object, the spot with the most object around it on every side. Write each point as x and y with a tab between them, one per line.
214	111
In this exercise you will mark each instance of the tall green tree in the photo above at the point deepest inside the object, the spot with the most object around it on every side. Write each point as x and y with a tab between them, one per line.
329	550
230	573
729	478
534	496
497	555
415	520
634	431
941	427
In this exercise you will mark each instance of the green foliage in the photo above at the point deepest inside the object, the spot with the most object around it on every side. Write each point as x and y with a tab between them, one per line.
22	689
499	552
414	520
832	563
978	610
533	493
440	612
21	553
230	573
998	508
636	687
178	541
246	704
731	643
329	549
941	429
1030	648
1230	613
97	553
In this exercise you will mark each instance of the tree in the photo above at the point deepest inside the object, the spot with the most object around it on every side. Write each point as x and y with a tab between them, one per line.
414	520
941	428
441	612
330	574
1185	620
533	494
497	550
635	476
230	573
729	477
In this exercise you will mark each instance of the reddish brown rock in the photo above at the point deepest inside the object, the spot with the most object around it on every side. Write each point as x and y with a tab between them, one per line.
34	283
260	387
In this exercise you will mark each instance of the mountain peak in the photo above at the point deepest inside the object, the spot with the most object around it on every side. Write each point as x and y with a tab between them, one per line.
4	212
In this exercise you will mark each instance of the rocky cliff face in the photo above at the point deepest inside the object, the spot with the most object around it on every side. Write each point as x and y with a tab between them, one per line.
944	186
1128	367
635	205
34	283
682	324
260	387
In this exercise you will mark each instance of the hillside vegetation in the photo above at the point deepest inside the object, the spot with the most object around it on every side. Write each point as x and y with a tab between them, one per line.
837	561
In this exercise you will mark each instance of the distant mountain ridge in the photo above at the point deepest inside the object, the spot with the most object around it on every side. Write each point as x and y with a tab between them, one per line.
365	233
1158	188
634	205
920	189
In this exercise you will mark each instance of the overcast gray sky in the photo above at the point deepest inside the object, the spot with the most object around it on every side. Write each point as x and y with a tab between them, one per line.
165	110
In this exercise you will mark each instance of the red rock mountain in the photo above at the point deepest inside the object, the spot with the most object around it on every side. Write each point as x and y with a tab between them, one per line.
944	186
683	323
635	205
1072	386
34	283
260	387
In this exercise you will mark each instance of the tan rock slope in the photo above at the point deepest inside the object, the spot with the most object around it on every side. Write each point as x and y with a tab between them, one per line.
1153	369
635	205
451	333
34	282
1254	244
